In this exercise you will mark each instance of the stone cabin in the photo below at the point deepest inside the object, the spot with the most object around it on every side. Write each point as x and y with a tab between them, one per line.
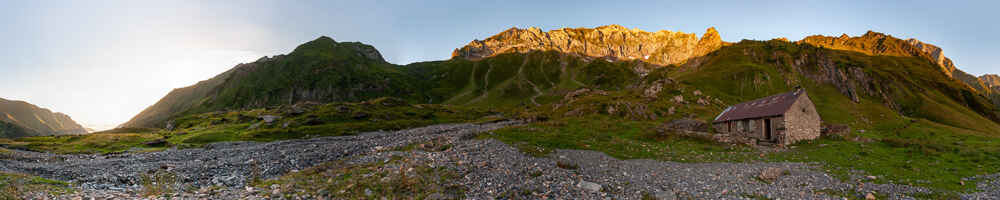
781	119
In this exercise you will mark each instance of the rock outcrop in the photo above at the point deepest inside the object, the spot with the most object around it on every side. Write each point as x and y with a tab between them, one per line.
992	81
611	42
935	54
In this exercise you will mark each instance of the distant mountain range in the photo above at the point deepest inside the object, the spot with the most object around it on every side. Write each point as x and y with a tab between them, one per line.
20	119
529	67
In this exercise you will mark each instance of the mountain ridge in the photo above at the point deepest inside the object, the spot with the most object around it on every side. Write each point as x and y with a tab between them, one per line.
496	72
31	120
876	43
612	41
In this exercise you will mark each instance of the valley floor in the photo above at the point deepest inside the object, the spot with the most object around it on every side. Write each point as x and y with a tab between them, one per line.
436	162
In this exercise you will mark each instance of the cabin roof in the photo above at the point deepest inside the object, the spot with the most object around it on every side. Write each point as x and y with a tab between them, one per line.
764	107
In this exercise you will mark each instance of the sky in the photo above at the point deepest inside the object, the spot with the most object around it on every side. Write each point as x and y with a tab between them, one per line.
102	62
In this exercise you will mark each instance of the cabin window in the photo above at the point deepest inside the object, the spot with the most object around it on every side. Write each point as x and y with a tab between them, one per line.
751	125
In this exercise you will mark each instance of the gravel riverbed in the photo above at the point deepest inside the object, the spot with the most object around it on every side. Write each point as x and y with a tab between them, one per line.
488	169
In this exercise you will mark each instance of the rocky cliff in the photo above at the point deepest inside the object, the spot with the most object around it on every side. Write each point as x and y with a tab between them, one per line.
611	42
24	119
992	81
875	43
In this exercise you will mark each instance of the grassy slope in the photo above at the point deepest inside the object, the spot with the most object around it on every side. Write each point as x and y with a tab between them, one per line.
324	120
319	120
90	143
621	138
510	80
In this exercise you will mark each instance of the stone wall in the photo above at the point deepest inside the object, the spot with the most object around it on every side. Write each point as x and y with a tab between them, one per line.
755	127
802	121
722	127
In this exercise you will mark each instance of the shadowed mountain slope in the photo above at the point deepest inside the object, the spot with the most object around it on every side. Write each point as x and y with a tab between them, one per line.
19	119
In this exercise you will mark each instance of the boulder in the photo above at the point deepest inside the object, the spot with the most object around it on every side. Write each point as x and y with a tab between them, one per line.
678	99
589	186
656	87
771	174
703	101
156	143
170	125
835	130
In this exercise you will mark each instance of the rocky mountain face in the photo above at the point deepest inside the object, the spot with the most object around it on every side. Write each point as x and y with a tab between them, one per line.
19	118
321	70
611	42
992	81
875	43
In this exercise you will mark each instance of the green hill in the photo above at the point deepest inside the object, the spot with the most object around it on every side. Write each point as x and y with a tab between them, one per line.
322	70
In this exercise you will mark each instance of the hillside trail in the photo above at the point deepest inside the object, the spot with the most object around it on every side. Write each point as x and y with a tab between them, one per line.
486	168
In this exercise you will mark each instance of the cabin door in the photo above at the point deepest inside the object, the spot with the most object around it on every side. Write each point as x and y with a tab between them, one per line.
767	130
